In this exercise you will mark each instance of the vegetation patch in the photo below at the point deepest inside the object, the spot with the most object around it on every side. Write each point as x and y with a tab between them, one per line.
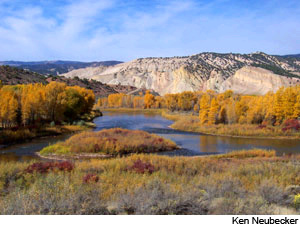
141	167
45	167
240	154
18	135
90	178
265	184
112	142
188	122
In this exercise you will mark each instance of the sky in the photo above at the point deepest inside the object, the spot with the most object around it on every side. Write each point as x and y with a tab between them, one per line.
99	30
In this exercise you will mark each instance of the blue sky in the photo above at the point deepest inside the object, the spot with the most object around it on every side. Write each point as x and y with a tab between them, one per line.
88	30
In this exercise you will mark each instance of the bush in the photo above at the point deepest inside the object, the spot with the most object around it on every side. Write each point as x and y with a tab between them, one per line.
89	178
297	201
273	194
54	195
142	167
58	148
291	124
156	199
45	167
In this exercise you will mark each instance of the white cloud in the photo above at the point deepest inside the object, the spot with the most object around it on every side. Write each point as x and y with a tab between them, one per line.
101	30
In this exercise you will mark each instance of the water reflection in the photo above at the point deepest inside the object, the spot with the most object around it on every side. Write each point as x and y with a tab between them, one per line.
26	151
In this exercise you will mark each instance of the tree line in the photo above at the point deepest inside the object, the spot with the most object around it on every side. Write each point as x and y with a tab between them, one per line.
32	104
214	108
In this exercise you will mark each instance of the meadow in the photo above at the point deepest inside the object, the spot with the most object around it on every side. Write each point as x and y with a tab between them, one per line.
241	182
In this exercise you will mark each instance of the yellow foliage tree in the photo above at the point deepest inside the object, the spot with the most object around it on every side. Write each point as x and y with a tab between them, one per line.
213	111
149	99
204	108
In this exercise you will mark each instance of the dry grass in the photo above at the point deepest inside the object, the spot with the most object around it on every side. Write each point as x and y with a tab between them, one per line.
176	185
254	153
115	141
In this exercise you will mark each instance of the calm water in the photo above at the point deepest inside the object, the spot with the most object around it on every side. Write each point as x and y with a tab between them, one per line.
192	144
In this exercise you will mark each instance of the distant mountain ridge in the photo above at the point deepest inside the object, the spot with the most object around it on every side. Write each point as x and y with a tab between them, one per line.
254	73
56	67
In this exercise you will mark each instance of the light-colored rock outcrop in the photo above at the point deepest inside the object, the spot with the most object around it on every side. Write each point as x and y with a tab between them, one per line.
254	80
219	72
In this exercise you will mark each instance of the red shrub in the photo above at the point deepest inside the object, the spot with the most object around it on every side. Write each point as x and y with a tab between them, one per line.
291	124
261	126
142	167
89	178
45	167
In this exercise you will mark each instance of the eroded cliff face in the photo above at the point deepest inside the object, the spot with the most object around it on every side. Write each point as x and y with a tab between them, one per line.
240	73
253	80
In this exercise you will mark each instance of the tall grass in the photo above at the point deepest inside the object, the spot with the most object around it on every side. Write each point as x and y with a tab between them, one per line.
174	185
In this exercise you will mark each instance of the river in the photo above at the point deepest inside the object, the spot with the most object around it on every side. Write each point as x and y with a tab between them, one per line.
192	144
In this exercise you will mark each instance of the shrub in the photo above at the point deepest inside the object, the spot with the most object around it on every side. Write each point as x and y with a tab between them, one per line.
297	201
157	199
291	124
45	167
273	194
58	148
89	178
54	195
249	205
142	167
261	126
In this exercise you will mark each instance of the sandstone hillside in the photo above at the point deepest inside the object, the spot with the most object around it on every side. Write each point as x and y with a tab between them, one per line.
255	73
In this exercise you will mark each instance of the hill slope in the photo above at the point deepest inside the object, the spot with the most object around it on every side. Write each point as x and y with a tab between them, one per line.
56	67
255	73
12	76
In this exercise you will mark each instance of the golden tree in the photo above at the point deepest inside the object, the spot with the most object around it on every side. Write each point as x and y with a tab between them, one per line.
204	108
149	99
213	111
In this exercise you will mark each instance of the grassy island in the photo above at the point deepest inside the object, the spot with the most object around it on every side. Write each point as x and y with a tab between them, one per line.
109	142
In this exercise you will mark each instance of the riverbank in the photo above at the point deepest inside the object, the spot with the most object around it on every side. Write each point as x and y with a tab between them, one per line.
135	110
9	137
191	123
251	182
